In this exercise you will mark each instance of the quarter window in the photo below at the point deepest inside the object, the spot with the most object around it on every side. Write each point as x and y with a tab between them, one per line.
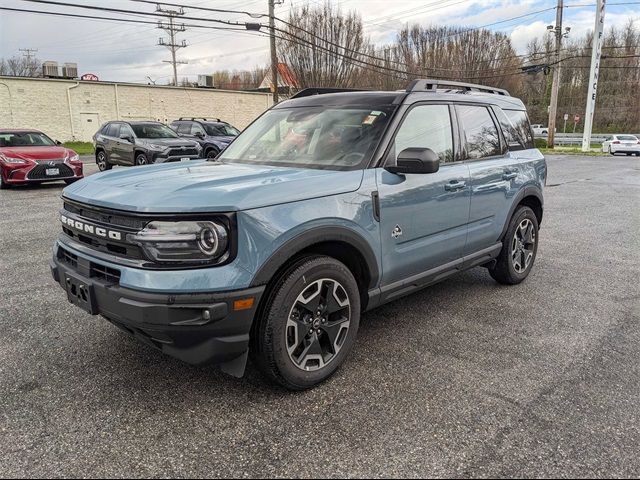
426	126
482	139
520	123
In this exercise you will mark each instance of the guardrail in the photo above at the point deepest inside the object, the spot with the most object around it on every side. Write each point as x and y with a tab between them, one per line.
576	138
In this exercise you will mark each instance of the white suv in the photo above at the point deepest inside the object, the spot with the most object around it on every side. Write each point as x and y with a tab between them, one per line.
628	144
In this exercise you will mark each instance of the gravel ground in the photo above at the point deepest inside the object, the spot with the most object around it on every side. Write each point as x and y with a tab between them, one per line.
466	378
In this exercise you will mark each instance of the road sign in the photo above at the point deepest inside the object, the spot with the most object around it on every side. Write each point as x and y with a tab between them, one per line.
566	117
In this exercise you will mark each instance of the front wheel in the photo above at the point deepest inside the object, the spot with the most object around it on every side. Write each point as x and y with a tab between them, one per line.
519	248
309	323
3	185
212	153
141	159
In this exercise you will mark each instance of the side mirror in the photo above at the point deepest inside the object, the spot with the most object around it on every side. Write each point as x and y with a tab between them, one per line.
416	160
58	142
200	134
127	138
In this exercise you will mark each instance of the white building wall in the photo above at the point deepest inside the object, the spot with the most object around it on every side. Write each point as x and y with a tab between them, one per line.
74	110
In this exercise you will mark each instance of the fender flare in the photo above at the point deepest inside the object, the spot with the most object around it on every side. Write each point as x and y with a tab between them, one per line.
528	191
311	237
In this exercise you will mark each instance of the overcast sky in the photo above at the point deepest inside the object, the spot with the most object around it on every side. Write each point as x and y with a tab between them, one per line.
128	52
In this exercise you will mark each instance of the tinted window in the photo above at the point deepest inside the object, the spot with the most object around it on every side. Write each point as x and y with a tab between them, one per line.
113	130
426	126
195	129
520	123
480	131
627	138
183	128
25	139
153	130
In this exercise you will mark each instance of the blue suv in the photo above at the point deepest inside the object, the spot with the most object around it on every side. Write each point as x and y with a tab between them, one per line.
213	135
328	205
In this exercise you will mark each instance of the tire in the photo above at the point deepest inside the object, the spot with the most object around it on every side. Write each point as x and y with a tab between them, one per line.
103	161
276	347
611	153
141	159
518	254
211	153
3	185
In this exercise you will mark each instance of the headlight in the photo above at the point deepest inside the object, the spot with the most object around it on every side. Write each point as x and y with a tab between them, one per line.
180	242
11	160
156	148
72	157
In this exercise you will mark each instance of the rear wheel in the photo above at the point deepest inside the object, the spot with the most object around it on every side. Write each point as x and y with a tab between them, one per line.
611	152
309	323
103	161
519	248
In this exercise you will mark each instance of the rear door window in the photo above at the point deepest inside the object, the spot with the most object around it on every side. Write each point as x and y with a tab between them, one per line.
184	128
481	133
113	130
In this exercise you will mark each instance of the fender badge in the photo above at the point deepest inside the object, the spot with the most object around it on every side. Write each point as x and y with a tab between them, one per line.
397	232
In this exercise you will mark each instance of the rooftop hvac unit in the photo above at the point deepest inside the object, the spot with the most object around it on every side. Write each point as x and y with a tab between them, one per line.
70	70
205	81
50	70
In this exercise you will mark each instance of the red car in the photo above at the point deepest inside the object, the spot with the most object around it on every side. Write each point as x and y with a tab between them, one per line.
29	156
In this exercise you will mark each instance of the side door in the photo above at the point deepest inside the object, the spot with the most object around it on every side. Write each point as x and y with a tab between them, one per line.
111	140
423	217
496	175
126	147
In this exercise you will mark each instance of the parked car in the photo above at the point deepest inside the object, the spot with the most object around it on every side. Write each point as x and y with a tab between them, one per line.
328	205
539	129
141	143
212	135
30	156
628	144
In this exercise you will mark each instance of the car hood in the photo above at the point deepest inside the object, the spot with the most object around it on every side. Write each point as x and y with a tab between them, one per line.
168	142
35	153
202	186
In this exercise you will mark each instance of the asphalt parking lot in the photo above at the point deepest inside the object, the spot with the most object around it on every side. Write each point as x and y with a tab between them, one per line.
466	378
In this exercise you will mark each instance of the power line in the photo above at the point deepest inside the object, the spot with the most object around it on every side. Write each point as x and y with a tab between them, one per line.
28	53
205	9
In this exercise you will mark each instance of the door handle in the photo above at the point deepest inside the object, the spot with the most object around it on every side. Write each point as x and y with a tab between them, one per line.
454	186
509	175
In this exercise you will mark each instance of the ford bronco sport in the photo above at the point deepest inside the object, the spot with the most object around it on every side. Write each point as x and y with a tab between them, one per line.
328	205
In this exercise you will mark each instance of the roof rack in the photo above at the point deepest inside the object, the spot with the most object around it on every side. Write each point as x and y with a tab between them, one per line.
308	92
181	119
430	85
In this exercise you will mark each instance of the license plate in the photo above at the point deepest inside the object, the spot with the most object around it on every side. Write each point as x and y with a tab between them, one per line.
53	172
80	293
185	159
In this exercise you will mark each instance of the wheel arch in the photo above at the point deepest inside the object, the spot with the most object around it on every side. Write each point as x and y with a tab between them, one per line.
531	197
340	243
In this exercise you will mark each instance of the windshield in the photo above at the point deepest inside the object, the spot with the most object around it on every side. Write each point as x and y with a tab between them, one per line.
221	130
153	130
332	138
25	139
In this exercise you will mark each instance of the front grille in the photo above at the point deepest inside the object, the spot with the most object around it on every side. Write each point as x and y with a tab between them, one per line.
106	217
67	257
93	270
106	274
178	152
39	172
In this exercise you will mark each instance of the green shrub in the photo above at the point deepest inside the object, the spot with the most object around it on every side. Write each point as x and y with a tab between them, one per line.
540	143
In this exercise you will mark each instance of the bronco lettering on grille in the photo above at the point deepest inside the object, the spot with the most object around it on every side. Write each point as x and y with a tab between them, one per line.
90	229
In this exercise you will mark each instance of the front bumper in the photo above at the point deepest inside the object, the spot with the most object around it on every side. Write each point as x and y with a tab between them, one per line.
163	158
17	174
196	328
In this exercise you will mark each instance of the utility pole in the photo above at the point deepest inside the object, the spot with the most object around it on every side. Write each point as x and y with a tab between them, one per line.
28	53
172	28
274	57
596	54
553	108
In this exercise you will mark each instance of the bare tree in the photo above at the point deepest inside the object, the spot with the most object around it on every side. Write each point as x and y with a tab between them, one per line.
18	66
323	46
